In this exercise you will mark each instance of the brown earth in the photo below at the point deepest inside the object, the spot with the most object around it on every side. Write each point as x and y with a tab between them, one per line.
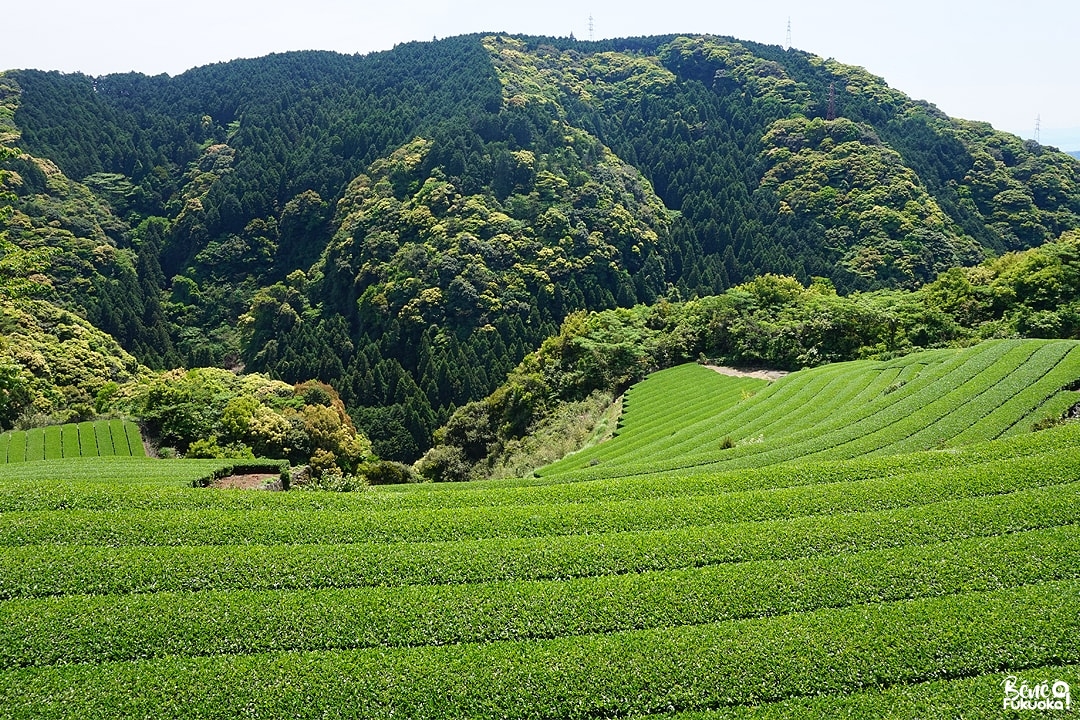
769	375
253	481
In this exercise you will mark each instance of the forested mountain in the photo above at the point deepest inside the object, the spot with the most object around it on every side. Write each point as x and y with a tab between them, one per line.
408	225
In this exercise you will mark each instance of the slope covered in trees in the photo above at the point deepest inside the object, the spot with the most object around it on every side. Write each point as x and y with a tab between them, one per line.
408	225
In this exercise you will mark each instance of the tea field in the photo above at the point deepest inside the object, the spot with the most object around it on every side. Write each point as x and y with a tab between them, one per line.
929	400
872	539
99	438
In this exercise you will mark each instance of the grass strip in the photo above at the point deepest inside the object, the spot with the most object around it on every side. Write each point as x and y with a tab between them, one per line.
103	434
118	431
17	447
88	439
135	441
70	438
54	446
35	444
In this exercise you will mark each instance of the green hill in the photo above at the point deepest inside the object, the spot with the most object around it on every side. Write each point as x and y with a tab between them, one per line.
691	416
55	363
886	531
772	322
880	585
408	225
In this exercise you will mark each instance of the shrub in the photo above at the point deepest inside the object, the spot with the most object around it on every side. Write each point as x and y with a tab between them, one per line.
316	393
213	413
322	463
444	463
209	449
386	472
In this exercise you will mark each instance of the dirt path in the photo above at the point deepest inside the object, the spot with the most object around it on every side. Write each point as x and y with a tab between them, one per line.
769	375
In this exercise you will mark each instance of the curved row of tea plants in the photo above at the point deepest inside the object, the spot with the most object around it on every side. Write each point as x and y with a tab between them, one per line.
149	485
919	402
806	588
37	570
81	628
749	661
225	525
978	697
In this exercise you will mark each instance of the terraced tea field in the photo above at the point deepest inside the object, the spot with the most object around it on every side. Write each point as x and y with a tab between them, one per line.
856	583
104	438
930	400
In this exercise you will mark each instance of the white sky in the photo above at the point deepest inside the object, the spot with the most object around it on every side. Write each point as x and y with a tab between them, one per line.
1005	63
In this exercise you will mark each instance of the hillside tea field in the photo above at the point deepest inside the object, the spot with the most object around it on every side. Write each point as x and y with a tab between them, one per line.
99	438
929	400
878	539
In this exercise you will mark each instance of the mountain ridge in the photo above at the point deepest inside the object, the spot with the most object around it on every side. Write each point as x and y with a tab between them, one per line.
252	240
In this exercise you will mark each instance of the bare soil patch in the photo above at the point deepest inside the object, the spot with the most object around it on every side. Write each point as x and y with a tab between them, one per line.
769	375
251	481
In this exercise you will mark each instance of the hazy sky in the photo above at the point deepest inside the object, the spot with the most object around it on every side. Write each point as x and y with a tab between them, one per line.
1005	63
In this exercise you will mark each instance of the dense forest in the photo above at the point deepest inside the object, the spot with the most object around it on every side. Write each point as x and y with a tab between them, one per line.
408	226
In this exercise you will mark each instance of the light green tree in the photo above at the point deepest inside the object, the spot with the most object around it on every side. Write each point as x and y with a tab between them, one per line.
17	270
18	266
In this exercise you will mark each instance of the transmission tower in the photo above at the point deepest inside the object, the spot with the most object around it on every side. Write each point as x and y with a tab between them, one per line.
788	34
831	114
1038	127
590	27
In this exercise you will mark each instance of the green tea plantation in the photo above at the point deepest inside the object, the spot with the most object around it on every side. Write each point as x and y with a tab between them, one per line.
863	540
99	438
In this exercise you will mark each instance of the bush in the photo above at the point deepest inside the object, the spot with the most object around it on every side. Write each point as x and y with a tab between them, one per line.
214	413
387	472
470	428
317	393
209	448
444	463
323	463
31	418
